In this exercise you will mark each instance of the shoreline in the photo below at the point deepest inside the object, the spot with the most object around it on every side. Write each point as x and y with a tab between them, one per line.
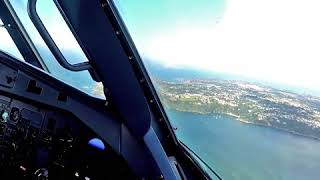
280	129
253	123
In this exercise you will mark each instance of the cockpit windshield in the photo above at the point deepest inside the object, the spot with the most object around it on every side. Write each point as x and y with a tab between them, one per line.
239	80
58	29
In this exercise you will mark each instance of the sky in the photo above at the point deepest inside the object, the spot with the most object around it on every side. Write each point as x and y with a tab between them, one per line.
274	40
7	44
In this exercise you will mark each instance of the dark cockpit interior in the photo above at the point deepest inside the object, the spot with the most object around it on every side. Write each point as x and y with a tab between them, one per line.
38	137
51	130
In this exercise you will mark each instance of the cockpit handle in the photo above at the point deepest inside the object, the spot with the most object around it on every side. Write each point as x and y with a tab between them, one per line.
50	42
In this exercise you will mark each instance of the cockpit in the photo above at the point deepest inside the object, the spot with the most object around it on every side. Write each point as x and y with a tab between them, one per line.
75	100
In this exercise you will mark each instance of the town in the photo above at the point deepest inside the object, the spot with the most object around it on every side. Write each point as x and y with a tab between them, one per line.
246	102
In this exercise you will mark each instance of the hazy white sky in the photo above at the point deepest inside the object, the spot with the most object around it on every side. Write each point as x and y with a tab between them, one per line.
277	40
7	44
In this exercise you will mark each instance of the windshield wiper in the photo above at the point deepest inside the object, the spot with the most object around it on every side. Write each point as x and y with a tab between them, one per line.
189	150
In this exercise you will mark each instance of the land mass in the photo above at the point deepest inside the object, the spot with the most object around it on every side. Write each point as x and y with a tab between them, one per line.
246	102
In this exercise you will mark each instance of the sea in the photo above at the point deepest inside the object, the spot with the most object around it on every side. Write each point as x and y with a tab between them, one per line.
237	150
241	151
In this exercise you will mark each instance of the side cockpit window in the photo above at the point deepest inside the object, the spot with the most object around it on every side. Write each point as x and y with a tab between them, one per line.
64	39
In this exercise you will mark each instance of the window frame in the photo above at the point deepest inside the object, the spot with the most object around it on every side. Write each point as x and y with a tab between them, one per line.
89	86
20	38
150	92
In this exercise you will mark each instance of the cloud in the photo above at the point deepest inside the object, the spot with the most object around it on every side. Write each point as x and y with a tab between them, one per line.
276	40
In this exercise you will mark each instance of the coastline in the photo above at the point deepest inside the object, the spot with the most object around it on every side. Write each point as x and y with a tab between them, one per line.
234	117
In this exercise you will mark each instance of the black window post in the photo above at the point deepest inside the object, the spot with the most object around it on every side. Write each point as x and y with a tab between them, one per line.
24	46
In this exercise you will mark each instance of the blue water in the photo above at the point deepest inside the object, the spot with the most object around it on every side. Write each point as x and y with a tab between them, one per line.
239	151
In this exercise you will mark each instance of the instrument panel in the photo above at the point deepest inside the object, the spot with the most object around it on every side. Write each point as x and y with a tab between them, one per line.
41	143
